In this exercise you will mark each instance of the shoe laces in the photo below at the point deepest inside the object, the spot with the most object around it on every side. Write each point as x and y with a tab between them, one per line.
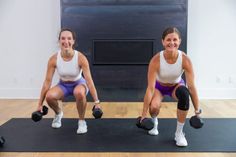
82	123
57	117
181	135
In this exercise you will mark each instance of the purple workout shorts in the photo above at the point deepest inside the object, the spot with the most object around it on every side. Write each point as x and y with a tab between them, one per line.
68	87
167	90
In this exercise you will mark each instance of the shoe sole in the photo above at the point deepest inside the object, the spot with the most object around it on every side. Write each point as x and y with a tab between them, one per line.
56	127
81	132
180	145
153	134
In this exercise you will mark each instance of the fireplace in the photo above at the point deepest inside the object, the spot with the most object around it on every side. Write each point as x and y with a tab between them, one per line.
119	37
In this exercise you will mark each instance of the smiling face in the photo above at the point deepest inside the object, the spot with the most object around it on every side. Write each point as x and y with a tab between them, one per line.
66	41
171	42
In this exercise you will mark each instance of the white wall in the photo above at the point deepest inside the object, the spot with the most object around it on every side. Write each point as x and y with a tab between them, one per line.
211	46
28	36
29	30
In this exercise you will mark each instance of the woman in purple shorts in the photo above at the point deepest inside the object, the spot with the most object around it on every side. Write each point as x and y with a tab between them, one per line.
69	64
164	78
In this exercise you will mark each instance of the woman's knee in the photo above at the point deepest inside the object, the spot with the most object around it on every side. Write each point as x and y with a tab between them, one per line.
50	96
182	93
154	107
79	94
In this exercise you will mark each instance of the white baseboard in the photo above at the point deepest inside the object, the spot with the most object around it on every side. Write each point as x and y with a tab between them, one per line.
204	93
218	93
27	93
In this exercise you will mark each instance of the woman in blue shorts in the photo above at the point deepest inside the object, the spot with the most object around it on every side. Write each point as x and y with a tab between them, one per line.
69	64
164	78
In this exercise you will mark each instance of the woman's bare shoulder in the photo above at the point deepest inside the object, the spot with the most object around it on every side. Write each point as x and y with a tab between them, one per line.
52	60
155	58
186	61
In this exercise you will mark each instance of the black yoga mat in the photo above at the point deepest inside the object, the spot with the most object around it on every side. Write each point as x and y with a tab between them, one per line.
115	135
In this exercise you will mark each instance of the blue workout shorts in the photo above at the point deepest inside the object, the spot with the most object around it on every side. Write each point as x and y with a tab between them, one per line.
68	87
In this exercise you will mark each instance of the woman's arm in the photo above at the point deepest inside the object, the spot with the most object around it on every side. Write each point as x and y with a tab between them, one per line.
152	74
189	74
83	63
48	80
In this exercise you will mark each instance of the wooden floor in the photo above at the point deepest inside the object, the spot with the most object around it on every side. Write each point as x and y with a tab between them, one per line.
23	109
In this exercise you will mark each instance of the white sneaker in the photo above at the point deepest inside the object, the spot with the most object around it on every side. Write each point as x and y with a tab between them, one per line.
56	123
82	127
153	132
181	140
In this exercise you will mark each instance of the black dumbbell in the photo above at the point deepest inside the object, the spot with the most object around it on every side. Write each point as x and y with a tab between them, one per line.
146	123
2	141
97	112
38	115
196	122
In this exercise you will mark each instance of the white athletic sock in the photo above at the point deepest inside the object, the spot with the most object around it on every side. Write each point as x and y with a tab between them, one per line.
155	121
154	131
82	121
179	127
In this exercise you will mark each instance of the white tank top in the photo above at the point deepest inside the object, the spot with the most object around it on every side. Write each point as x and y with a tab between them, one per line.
170	73
68	70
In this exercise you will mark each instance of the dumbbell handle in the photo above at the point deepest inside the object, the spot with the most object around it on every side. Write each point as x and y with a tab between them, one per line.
45	110
197	112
